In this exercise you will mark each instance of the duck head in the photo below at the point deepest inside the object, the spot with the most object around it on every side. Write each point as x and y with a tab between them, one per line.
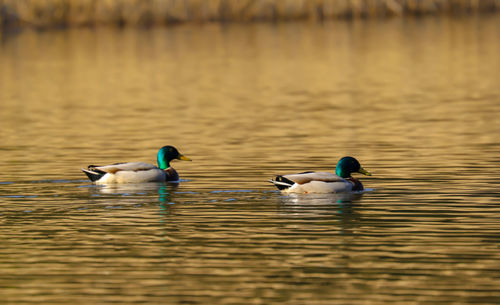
348	165
167	154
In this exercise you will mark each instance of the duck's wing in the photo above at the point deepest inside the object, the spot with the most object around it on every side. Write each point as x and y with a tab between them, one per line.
306	177
130	166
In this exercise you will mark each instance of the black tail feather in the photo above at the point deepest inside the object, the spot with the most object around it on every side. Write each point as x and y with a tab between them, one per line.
282	183
93	173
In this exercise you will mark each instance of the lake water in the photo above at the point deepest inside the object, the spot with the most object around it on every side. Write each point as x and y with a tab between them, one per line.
417	101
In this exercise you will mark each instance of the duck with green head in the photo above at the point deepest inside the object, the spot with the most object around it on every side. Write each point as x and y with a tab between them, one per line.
324	182
138	172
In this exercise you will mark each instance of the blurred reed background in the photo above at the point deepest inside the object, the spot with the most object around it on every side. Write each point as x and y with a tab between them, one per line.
60	13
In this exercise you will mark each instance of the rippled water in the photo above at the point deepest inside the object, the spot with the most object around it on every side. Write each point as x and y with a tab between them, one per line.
416	101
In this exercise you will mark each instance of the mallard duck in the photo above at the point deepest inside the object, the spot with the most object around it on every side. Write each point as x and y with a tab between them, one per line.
323	182
138	172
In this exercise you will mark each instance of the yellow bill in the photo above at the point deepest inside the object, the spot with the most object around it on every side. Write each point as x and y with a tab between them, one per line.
182	157
364	171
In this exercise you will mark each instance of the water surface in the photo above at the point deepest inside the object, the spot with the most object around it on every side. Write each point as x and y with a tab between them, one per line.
416	101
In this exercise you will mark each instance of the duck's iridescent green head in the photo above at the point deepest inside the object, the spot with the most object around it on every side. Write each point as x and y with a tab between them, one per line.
348	165
167	154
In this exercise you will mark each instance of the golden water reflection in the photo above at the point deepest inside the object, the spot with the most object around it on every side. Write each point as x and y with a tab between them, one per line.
416	101
417	89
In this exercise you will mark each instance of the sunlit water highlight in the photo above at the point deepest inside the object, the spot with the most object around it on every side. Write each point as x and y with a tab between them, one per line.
416	101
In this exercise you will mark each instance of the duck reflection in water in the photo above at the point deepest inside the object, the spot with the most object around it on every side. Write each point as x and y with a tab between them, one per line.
137	188
333	199
135	193
339	209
